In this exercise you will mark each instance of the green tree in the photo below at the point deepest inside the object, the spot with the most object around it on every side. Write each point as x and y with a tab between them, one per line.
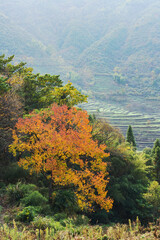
130	136
128	177
157	163
153	198
147	155
156	144
37	90
68	95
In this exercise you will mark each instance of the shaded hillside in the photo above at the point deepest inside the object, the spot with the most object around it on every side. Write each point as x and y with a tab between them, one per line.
17	40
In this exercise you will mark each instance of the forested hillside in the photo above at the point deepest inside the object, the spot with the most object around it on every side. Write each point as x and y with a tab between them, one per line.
91	42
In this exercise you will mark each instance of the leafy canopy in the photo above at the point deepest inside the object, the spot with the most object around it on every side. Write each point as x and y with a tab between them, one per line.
37	90
57	142
68	95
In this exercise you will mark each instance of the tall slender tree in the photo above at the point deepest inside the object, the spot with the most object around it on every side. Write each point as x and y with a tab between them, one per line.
156	144
130	136
157	163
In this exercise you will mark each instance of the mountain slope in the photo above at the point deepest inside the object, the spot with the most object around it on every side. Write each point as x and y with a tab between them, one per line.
110	48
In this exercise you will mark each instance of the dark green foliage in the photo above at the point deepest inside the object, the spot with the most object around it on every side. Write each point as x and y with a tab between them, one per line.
14	193
37	90
128	182
4	62
18	191
27	188
156	144
7	69
34	199
65	201
4	86
128	179
13	173
99	216
148	156
27	214
92	118
130	136
60	216
157	163
45	209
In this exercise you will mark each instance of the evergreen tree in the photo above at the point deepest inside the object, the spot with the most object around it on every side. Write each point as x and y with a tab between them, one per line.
130	136
156	144
157	163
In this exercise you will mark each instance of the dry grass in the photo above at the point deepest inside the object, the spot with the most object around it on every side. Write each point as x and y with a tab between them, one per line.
132	231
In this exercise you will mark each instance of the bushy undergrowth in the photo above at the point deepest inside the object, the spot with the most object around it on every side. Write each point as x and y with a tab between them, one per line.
15	192
13	173
39	221
34	199
65	201
27	214
36	219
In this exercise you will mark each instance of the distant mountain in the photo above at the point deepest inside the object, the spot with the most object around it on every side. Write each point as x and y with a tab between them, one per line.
109	48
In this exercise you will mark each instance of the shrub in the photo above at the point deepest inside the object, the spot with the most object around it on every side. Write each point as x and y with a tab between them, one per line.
99	216
34	199
27	188
41	222
47	222
14	193
60	216
81	220
27	214
43	191
18	191
71	221
45	209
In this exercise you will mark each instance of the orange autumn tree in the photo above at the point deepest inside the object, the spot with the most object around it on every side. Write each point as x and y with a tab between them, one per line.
58	143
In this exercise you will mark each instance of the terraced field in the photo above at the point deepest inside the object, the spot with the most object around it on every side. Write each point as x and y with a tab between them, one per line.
146	128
